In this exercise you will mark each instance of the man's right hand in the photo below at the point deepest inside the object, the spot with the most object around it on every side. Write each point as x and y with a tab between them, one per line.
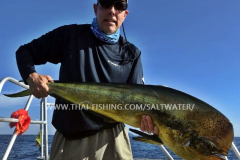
38	84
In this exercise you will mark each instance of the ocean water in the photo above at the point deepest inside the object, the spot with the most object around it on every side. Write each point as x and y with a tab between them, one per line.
25	148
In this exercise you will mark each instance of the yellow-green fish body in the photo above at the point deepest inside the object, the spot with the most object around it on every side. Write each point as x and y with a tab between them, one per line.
188	126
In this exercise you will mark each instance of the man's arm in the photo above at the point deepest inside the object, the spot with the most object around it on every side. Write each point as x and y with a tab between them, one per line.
47	48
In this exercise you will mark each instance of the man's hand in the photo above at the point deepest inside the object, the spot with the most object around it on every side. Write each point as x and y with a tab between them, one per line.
148	126
38	84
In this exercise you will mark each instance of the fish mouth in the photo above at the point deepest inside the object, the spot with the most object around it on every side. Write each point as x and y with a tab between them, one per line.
208	148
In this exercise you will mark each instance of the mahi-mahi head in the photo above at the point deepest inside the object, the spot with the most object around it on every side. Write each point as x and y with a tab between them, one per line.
188	126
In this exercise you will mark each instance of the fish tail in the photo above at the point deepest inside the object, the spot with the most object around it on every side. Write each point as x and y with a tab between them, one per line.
19	94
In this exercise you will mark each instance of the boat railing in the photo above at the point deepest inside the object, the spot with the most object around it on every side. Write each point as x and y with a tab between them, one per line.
43	125
42	122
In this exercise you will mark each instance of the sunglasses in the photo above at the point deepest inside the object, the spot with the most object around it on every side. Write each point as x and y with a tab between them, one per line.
118	5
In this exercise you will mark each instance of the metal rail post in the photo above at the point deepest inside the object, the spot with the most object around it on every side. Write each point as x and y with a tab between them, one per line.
45	128
235	150
14	134
41	126
166	152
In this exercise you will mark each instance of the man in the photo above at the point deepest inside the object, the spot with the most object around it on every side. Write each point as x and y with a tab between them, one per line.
87	53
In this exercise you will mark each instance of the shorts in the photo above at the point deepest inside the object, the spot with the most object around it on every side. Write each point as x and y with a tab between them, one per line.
108	144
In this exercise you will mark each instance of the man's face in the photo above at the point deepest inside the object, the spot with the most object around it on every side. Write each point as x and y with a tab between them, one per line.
109	19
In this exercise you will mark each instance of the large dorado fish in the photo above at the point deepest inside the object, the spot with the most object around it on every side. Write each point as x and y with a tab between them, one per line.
188	126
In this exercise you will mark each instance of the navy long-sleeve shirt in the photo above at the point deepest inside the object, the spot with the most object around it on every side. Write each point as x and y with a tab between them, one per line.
83	58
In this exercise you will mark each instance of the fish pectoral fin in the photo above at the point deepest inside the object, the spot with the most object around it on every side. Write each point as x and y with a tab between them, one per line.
143	139
152	139
19	94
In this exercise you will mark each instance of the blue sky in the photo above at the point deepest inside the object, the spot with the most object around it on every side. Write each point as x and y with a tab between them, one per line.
189	45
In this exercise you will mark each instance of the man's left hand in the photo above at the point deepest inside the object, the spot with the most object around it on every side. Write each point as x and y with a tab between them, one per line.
148	126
